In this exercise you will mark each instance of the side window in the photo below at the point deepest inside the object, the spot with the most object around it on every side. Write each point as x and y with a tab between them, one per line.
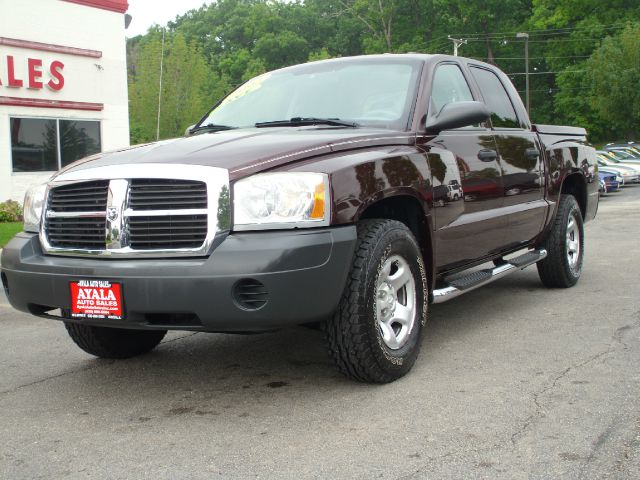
503	115
449	86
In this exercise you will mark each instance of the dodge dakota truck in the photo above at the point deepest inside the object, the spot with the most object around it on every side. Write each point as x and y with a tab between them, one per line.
318	193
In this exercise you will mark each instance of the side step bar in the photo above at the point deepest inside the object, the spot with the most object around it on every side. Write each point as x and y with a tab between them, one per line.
479	278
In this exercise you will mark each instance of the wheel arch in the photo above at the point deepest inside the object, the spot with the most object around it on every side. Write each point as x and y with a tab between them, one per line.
410	211
575	184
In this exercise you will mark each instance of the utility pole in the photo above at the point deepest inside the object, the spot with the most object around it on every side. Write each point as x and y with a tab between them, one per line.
160	89
456	43
526	66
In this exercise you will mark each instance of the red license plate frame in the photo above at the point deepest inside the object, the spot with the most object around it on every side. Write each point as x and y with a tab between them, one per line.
96	300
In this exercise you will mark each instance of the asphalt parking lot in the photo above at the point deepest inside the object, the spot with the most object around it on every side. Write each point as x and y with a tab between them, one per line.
548	387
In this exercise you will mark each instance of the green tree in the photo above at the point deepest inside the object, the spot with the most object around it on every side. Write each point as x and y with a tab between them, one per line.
281	49
189	87
615	74
144	88
185	88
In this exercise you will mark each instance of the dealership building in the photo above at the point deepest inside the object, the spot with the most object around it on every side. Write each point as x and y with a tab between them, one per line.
63	86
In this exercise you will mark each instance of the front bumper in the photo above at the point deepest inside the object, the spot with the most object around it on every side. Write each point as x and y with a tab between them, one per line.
303	271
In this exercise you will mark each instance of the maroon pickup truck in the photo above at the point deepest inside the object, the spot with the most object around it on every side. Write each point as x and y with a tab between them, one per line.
350	193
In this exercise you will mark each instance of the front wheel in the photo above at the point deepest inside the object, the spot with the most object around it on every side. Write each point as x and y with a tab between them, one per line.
114	342
375	334
565	246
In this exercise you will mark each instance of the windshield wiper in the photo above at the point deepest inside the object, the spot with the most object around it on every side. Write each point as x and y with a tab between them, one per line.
301	121
212	127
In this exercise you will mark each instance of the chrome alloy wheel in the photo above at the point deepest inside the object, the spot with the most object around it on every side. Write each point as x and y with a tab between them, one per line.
395	302
573	243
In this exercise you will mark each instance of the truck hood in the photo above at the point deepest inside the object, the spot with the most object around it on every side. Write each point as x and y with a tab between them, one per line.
246	151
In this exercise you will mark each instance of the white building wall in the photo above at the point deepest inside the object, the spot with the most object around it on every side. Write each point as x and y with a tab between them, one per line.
87	79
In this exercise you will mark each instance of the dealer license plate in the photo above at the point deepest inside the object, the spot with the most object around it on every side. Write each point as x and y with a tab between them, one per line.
96	299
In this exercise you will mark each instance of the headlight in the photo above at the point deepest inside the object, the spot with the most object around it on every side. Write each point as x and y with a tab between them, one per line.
281	200
33	202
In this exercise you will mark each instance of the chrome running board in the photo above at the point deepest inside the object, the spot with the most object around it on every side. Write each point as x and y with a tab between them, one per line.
476	279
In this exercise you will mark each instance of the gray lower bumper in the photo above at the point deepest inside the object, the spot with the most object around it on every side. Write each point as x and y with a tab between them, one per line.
304	273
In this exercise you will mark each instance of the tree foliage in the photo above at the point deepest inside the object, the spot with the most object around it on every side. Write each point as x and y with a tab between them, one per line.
213	49
615	71
188	84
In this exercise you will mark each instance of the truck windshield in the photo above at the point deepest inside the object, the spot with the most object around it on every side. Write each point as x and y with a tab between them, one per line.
367	93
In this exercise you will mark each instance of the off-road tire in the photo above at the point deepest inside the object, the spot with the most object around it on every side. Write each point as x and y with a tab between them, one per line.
555	270
353	337
117	343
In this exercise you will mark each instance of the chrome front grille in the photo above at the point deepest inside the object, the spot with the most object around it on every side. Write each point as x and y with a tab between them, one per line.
78	232
167	231
81	197
156	211
155	194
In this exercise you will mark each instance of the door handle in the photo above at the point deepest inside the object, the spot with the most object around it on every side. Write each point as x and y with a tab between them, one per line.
487	155
532	153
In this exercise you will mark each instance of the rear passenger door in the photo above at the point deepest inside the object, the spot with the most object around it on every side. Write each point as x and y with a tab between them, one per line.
520	160
466	179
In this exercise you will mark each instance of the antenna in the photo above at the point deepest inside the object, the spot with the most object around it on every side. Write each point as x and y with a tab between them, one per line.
160	89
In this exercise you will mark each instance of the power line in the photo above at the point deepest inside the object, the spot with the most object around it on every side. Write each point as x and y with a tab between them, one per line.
543	32
555	89
570	71
547	40
583	39
549	73
540	58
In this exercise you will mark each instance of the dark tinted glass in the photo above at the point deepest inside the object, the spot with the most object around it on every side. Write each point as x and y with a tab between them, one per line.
449	86
34	145
496	98
78	139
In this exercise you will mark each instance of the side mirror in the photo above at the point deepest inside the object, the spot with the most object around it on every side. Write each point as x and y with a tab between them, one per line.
457	115
188	132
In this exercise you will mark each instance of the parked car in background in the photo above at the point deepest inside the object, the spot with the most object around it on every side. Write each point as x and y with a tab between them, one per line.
614	162
631	151
618	178
619	155
622	144
611	184
628	174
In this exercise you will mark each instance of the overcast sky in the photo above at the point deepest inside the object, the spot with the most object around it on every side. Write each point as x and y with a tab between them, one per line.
147	12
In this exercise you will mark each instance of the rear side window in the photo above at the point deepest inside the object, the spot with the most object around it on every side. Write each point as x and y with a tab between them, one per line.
503	115
449	86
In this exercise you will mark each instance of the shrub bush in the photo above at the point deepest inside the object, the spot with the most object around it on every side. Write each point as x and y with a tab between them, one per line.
10	211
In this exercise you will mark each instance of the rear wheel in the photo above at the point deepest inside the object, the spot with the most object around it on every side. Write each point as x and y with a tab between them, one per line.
375	334
565	246
114	342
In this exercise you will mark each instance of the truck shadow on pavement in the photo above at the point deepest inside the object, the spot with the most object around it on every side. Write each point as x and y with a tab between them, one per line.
294	358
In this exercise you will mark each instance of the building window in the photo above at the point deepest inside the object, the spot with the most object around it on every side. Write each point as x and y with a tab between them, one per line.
46	145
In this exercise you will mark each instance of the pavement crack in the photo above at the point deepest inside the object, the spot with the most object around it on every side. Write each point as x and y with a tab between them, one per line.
101	363
52	377
618	337
539	409
621	332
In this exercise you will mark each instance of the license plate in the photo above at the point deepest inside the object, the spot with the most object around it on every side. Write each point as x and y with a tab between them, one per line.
96	299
